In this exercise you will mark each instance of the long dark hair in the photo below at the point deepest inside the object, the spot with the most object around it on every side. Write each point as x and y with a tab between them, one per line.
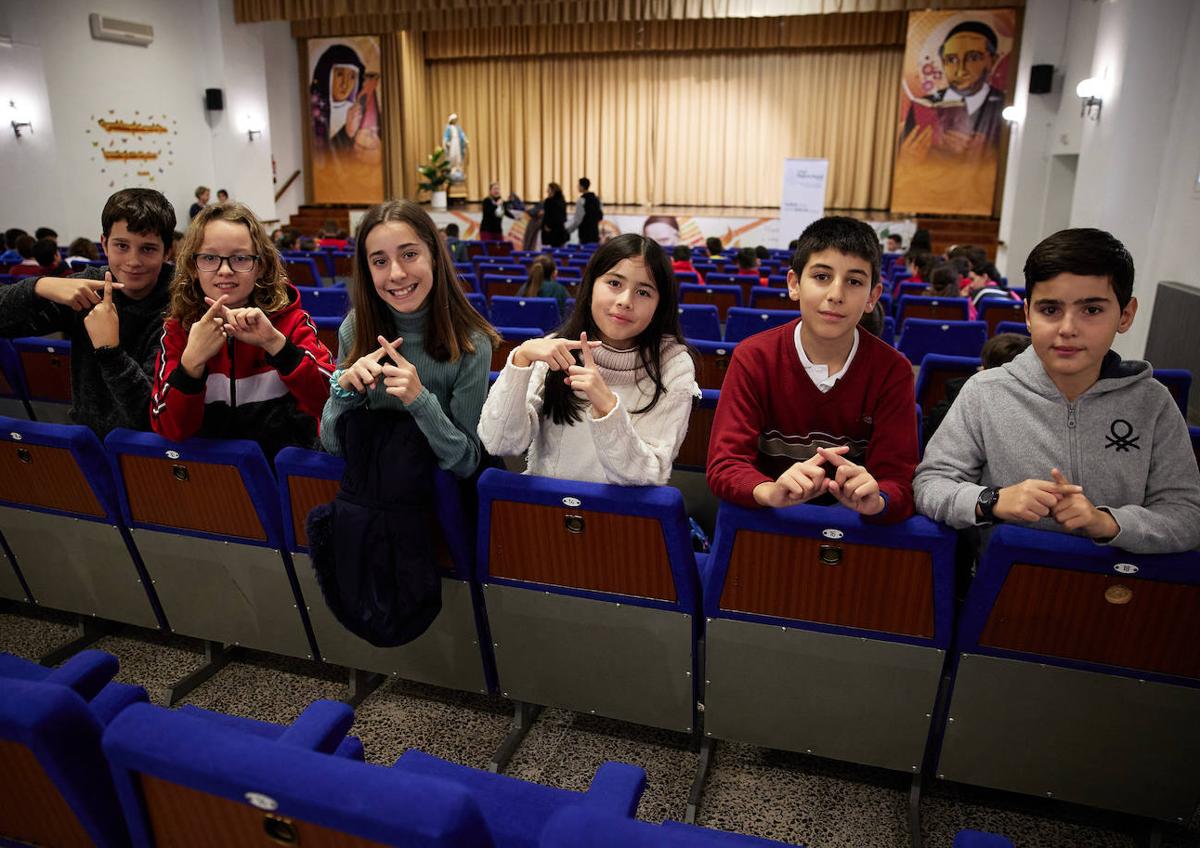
542	269
563	406
451	319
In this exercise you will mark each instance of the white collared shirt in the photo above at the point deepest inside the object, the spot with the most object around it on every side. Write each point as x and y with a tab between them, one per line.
973	101
819	374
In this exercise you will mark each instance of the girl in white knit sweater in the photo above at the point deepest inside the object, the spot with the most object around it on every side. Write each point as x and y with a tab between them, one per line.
607	398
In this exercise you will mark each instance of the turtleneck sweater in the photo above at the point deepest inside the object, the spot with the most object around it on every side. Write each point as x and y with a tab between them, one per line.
623	447
446	410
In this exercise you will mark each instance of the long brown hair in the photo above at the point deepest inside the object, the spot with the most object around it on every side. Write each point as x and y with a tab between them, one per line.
451	319
270	292
542	269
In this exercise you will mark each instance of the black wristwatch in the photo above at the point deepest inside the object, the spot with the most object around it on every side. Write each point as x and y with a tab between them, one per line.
987	503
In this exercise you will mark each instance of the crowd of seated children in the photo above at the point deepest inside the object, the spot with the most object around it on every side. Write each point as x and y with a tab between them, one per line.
112	315
943	281
815	409
49	260
919	265
331	237
412	342
541	283
681	261
1068	436
999	350
82	250
607	397
239	356
747	264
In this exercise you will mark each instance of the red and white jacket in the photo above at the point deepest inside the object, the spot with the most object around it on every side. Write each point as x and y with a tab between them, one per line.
245	393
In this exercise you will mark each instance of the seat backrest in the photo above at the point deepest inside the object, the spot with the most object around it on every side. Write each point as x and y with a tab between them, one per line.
768	297
888	334
220	489
12	377
921	336
540	312
327	331
477	300
333	301
185	780
1179	382
743	323
302	271
693	453
46	364
511	337
823	568
714	361
936	369
60	468
1064	600
589	539
584	826
699	321
932	308
993	310
723	297
504	285
1011	327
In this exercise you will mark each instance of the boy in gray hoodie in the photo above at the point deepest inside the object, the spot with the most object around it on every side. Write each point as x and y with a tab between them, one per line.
1068	436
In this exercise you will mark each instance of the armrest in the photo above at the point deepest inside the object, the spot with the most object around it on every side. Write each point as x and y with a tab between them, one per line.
86	673
617	788
320	728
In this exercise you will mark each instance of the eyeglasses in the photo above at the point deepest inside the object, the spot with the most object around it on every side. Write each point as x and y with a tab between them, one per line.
238	264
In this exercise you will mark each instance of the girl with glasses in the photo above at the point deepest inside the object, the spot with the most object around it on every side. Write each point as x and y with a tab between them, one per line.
239	357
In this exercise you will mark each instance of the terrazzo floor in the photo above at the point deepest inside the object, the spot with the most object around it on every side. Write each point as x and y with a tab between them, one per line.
784	796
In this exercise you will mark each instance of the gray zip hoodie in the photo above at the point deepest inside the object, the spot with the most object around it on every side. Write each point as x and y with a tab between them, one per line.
1123	441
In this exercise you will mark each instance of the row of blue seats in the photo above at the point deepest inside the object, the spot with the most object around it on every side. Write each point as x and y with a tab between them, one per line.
820	633
88	761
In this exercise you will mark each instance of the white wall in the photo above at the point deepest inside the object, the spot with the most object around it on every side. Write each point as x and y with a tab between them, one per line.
66	80
1137	162
287	113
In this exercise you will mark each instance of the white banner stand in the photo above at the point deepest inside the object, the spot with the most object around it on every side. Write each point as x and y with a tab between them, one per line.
803	196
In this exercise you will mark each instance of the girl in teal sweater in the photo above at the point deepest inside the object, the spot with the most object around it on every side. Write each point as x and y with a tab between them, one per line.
411	340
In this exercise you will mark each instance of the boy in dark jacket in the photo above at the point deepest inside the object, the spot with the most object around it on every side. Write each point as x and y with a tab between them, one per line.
112	315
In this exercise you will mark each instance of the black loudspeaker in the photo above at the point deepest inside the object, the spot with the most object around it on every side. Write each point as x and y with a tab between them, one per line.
1041	78
214	99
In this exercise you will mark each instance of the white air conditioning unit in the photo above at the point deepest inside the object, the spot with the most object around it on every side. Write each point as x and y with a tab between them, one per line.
105	28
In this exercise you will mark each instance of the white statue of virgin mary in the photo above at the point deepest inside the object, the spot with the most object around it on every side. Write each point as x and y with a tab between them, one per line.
454	140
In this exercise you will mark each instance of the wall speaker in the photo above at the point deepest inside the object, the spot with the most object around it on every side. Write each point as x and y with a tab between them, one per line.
214	99
1041	77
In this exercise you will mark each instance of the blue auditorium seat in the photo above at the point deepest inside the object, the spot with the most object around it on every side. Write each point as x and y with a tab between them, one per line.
699	321
333	301
743	323
1179	382
540	312
1018	327
689	277
826	634
723	297
511	337
582	826
979	839
1077	676
302	269
931	308
55	784
993	311
46	365
14	399
448	653
505	285
592	598
693	453
714	361
479	301
954	338
327	331
178	773
61	518
936	369
889	330
769	297
204	515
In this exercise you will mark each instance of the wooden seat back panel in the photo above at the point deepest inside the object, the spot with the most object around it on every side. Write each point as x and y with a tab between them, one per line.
694	450
950	312
871	588
47	375
188	818
622	554
31	807
211	500
50	479
1062	613
712	367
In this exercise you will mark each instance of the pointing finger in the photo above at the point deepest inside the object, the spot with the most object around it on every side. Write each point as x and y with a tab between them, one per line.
586	351
215	306
1059	477
390	348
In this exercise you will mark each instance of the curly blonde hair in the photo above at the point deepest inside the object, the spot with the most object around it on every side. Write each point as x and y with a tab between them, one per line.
270	293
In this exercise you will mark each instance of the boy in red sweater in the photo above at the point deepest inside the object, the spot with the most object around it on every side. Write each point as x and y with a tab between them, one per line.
816	408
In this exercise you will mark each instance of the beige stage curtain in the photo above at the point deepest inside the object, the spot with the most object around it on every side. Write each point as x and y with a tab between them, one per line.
410	130
690	130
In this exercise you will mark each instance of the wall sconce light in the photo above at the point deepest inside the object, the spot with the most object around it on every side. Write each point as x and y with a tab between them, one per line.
1013	114
1090	92
17	121
253	127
